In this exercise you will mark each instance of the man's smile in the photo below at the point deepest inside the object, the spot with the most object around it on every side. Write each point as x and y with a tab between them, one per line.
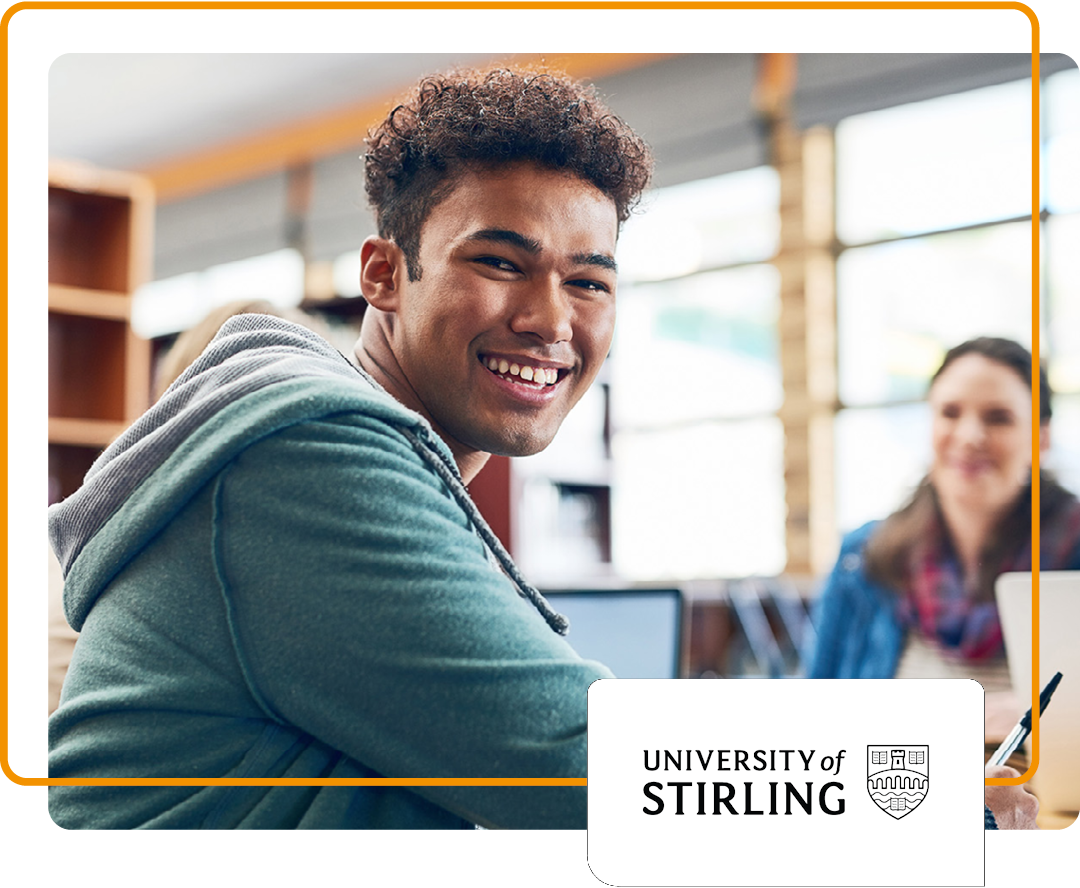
520	371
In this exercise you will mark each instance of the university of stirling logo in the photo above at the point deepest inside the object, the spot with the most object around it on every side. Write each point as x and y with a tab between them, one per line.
897	777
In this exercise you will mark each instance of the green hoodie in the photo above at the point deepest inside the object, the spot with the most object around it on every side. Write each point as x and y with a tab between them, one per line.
277	572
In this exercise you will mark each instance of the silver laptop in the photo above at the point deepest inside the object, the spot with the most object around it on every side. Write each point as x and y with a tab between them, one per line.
1057	780
636	633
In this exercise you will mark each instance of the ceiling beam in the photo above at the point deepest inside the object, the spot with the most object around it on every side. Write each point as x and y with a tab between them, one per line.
309	139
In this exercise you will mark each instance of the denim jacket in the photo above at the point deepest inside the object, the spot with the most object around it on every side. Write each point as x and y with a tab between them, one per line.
859	630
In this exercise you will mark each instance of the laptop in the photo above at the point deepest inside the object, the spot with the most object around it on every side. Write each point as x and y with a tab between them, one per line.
636	633
1057	780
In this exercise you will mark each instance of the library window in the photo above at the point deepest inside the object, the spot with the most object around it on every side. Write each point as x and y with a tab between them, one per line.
934	248
697	448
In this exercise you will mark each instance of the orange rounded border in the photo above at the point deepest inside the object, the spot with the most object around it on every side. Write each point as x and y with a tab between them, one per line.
472	4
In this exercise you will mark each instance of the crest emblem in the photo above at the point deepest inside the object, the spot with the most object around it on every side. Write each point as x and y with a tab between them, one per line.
897	777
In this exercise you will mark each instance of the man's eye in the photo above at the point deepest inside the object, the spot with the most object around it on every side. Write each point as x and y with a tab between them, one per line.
496	262
595	286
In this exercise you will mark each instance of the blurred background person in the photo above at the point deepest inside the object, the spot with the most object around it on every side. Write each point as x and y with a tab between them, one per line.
912	596
190	344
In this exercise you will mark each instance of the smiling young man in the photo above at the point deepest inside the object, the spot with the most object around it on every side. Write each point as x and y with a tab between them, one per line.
277	571
509	320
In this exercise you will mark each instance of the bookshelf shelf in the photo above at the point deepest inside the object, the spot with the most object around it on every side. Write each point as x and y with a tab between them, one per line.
97	433
100	231
90	303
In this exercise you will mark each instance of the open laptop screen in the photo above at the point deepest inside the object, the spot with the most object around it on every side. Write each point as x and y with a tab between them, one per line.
636	633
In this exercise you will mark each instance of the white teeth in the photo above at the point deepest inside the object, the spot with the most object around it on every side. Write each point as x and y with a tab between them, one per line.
536	375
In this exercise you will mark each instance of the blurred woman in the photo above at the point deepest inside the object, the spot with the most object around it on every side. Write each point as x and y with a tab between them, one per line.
912	596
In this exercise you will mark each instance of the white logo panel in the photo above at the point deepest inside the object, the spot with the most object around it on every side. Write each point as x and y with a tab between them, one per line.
702	782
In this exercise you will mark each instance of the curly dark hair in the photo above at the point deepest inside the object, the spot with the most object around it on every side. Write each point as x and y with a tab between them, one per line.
468	119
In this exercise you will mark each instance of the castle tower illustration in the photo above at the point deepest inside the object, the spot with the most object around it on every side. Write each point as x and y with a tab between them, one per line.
897	777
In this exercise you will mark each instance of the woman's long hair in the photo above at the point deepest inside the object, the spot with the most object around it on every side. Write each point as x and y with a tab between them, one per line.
919	523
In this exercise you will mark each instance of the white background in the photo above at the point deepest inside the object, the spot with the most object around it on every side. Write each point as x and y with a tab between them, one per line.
35	38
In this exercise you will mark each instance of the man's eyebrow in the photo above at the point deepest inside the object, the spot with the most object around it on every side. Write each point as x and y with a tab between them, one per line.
506	236
598	259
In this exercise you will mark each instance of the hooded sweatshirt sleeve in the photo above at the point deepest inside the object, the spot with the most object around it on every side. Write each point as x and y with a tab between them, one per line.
365	611
277	573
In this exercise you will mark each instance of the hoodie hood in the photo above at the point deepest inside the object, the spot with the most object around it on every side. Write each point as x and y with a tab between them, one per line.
259	375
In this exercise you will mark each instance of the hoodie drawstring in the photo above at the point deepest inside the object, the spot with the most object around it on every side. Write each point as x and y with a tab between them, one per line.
453	481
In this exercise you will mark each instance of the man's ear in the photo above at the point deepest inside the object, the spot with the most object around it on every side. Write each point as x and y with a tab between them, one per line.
382	269
1044	437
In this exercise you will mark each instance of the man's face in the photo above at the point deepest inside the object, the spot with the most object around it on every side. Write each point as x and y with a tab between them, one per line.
515	309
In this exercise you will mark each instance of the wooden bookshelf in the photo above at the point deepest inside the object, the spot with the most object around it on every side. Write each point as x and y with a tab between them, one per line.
100	236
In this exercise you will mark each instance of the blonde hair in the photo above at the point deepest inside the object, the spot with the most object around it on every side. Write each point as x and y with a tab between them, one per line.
190	344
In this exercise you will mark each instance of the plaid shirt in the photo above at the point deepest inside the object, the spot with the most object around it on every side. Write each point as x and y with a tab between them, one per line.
942	608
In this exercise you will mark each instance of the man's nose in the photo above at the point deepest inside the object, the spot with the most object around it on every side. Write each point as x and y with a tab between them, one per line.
544	310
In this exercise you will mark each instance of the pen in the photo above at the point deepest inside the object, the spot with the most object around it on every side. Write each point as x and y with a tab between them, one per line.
1020	733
